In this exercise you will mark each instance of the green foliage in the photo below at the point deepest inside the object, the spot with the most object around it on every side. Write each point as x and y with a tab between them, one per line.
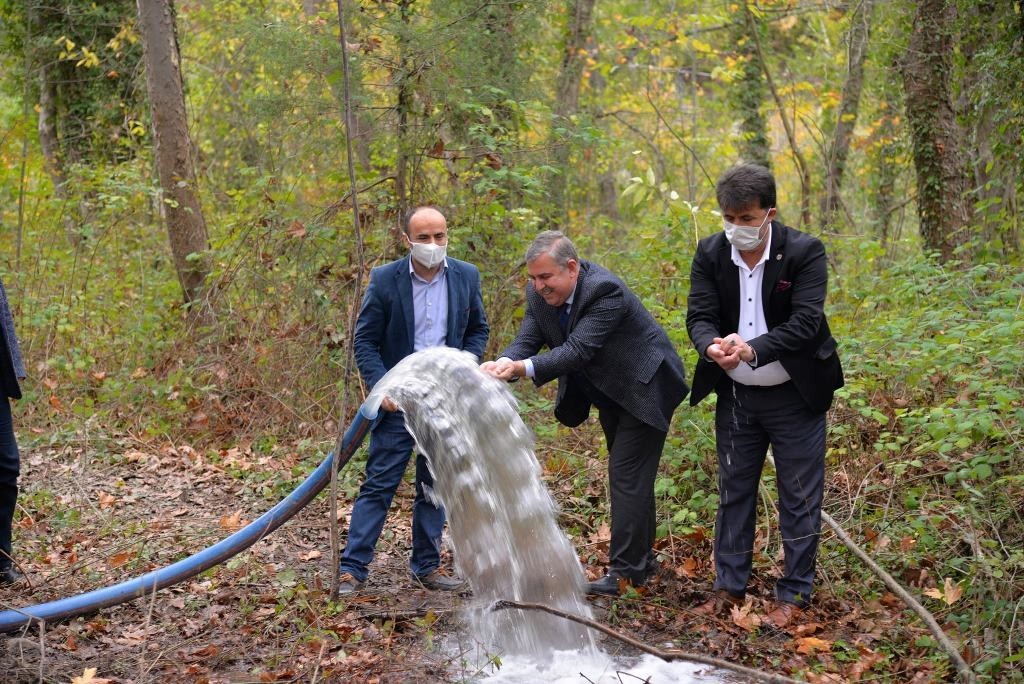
90	54
924	444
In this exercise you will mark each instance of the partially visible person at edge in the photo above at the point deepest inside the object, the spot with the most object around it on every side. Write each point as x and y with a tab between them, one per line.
425	299
11	371
756	315
606	350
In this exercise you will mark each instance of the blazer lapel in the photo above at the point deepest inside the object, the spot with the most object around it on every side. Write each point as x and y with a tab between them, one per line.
773	264
578	298
403	285
729	282
454	286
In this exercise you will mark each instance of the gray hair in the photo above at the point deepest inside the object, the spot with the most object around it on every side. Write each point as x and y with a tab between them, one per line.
555	243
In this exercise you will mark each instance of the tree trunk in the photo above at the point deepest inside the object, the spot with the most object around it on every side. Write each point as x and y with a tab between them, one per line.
942	182
49	142
835	161
789	126
748	94
567	98
182	212
994	176
403	108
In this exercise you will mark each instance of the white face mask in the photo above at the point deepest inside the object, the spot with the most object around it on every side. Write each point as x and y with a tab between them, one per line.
745	238
428	255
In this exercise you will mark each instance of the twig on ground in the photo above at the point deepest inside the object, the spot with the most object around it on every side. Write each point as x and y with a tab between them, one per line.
966	674
664	655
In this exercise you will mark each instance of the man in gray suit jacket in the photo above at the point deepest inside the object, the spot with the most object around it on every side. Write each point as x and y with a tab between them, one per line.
606	350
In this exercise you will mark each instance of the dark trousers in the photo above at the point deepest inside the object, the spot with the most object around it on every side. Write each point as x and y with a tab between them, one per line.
747	420
10	465
391	445
634	451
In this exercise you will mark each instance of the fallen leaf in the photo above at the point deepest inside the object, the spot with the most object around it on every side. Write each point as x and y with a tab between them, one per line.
206	651
809	645
119	559
55	402
311	555
602	534
743	618
133	456
296	229
950	593
89	677
868	659
231	522
907	543
106	500
688	568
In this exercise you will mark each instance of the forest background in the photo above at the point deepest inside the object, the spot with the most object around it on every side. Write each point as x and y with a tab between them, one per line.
178	241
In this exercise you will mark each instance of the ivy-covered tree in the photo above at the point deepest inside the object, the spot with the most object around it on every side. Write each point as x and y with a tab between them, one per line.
943	206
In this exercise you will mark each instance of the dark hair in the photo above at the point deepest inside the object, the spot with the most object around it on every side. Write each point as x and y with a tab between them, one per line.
744	184
555	243
409	213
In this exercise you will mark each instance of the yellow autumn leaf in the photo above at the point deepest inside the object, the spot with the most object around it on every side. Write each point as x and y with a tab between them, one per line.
89	677
809	645
950	593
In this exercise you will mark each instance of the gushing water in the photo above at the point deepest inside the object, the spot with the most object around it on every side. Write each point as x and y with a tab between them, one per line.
501	517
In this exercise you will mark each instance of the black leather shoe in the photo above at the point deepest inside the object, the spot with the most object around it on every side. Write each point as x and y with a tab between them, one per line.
438	581
8	576
609	585
348	584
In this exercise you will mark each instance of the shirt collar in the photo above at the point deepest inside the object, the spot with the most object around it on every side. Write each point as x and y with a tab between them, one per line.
414	274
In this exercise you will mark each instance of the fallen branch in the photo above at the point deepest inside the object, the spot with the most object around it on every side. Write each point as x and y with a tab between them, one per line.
639	645
966	674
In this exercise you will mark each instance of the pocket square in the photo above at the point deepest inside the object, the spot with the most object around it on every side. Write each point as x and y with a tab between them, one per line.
783	285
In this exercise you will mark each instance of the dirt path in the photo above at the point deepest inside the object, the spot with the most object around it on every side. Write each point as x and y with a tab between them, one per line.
99	513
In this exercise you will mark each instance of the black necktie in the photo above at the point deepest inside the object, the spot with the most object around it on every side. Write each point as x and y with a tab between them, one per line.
563	318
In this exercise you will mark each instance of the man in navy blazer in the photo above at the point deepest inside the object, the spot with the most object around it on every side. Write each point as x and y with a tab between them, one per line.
425	299
756	315
606	350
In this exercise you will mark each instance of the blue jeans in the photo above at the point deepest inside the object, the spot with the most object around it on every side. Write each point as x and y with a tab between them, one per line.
10	463
745	424
391	445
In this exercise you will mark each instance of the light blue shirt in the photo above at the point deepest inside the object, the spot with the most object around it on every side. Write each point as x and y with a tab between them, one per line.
430	308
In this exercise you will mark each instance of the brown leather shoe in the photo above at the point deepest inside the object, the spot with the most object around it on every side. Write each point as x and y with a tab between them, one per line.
783	615
720	603
439	580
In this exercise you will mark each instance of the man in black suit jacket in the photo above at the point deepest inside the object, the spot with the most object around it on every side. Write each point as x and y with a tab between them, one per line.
12	369
606	350
756	314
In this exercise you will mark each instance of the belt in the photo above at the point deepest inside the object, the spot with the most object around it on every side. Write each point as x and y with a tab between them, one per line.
761	388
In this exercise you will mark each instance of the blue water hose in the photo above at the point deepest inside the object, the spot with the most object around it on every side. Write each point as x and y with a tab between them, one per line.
73	606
